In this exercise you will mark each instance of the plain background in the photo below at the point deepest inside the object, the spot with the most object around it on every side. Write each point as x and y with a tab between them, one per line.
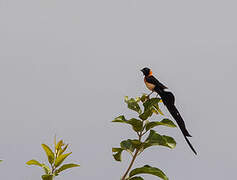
65	67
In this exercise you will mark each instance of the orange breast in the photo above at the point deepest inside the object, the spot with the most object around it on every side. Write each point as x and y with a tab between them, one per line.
149	85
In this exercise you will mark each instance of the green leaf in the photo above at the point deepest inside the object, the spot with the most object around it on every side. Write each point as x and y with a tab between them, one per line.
119	119
59	145
135	123
136	143
61	158
136	178
34	162
167	122
155	139
164	122
148	170
137	99
47	177
170	141
49	153
117	156
146	114
151	102
158	109
61	151
144	98
133	104
154	111
127	145
66	166
117	153
150	107
116	149
46	169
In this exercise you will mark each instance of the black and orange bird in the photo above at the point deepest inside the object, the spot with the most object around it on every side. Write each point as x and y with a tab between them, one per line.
168	99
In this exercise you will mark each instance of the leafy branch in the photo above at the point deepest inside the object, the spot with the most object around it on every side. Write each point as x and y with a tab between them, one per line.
55	159
142	126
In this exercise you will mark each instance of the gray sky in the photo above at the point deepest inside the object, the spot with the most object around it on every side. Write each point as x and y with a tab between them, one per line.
65	67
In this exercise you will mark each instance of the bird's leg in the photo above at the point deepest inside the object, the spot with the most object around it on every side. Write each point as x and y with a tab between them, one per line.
150	94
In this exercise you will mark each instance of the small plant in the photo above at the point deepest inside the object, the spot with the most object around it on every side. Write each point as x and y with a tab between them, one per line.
55	159
142	126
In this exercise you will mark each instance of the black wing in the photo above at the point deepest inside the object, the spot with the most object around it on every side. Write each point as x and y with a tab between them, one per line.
153	80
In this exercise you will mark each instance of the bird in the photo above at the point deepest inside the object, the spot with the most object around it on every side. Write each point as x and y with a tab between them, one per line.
169	101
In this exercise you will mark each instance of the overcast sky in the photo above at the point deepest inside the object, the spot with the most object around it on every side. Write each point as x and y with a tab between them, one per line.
65	67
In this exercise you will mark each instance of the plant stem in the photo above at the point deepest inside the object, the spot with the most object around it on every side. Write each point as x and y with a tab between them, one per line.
133	159
130	166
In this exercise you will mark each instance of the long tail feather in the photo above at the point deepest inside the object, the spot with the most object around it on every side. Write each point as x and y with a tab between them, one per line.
168	99
175	114
190	145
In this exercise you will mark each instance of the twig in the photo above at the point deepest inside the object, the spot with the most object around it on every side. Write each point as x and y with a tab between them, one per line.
133	159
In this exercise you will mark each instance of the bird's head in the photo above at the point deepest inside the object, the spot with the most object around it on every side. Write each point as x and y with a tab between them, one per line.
146	71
